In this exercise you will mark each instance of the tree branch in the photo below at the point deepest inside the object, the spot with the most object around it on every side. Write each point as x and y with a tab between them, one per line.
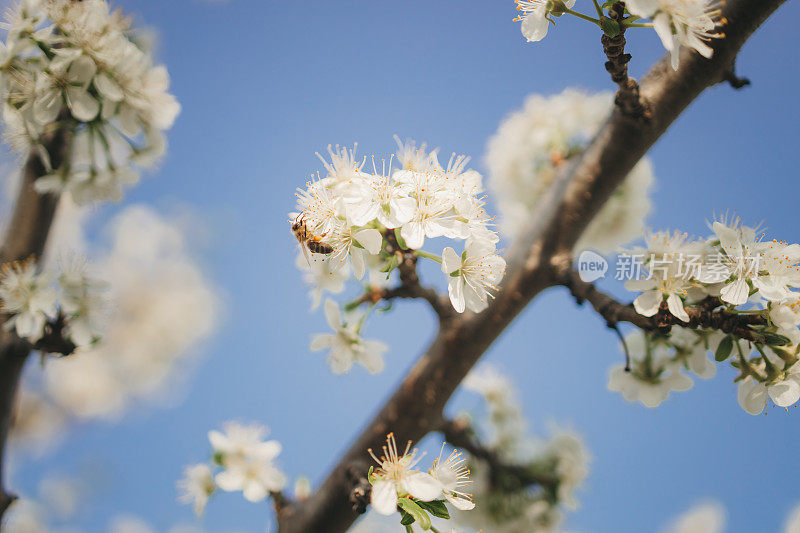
25	238
576	196
628	97
459	434
708	314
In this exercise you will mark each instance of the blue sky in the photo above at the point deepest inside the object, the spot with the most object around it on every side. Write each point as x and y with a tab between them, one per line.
265	84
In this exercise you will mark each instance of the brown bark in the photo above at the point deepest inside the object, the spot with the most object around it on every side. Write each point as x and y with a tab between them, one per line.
25	238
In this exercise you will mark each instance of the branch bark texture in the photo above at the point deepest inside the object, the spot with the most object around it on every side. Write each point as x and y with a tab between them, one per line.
416	407
25	238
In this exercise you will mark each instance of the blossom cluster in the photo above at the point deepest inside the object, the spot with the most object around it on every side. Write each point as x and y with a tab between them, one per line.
740	275
246	463
37	299
77	67
535	143
679	24
376	220
502	504
398	486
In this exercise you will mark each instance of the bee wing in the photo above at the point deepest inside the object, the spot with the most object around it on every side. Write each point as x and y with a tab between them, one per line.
306	253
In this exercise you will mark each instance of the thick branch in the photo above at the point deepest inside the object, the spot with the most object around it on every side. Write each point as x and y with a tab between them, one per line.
25	238
707	314
579	192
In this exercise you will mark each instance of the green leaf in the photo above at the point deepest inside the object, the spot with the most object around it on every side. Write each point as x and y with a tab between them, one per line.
775	339
437	508
610	27
400	241
407	519
420	516
724	349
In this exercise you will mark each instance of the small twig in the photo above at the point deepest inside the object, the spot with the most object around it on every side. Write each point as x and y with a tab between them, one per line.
735	81
279	500
459	434
410	286
362	490
628	98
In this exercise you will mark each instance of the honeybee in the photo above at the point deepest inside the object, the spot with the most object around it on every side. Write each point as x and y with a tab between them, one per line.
308	241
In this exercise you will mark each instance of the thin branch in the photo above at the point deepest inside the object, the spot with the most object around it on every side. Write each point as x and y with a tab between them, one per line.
459	434
577	194
708	314
628	98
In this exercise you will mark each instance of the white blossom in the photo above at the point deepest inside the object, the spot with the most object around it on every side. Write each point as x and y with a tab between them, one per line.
472	275
395	473
247	461
653	375
345	344
534	17
682	23
195	487
453	475
533	144
27	295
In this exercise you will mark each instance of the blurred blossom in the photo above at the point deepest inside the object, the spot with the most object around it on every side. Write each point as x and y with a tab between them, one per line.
703	518
533	145
162	308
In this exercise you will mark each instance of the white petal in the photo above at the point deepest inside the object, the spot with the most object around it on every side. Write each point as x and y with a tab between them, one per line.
384	498
357	262
332	314
785	393
422	486
321	341
675	306
82	104
455	288
735	293
413	234
451	261
81	71
108	88
230	480
752	396
647	303
370	239
534	25
403	209
254	492
462	504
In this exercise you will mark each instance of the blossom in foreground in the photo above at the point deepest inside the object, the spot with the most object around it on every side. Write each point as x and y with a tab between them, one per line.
534	17
346	344
395	473
27	295
472	275
682	23
453	475
196	486
247	461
